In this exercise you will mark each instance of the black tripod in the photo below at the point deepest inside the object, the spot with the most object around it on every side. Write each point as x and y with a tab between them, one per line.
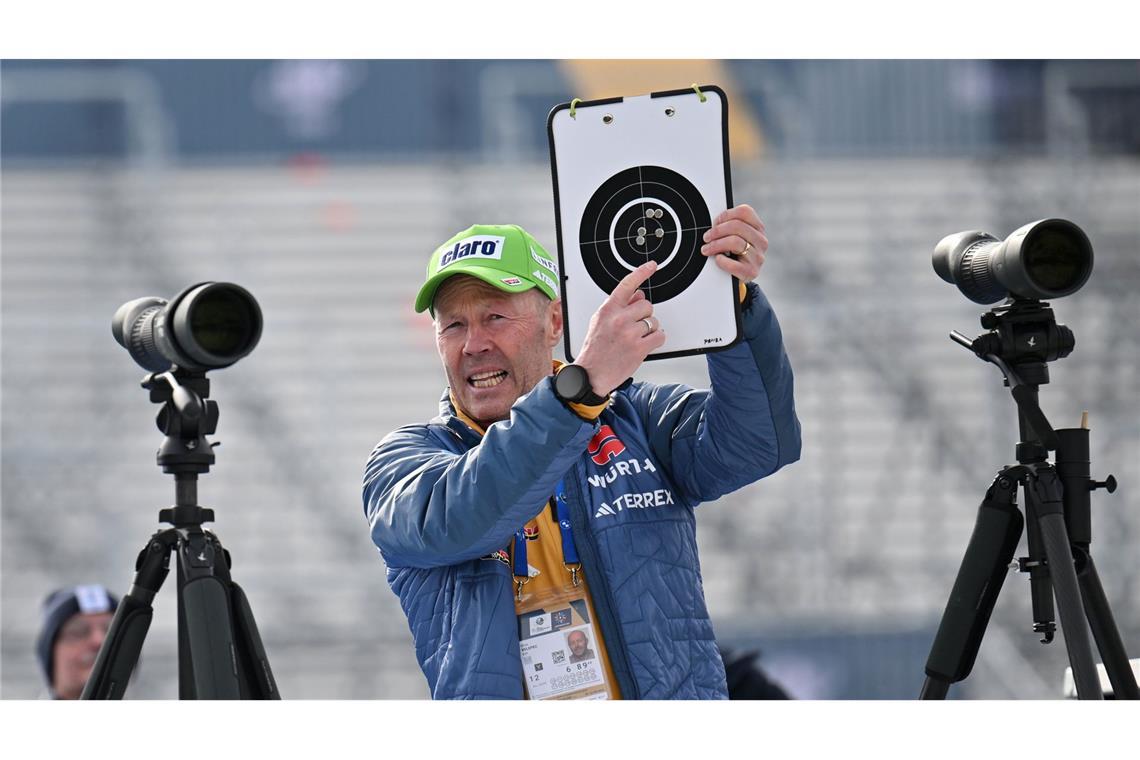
1024	337
220	655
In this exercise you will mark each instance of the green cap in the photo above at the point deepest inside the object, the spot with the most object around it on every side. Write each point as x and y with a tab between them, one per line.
503	255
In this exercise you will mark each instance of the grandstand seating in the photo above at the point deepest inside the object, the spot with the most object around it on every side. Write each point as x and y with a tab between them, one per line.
903	430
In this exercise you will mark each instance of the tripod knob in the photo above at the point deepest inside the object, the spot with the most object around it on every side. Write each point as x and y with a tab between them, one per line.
1108	484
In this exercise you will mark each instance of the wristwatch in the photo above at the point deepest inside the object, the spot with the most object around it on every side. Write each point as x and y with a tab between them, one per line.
572	386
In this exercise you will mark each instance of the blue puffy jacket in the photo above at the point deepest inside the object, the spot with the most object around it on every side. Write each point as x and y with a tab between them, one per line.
439	499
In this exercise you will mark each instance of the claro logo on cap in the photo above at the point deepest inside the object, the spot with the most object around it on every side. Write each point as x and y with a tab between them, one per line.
479	247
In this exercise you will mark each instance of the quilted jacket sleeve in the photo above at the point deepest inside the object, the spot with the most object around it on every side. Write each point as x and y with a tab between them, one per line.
740	430
428	506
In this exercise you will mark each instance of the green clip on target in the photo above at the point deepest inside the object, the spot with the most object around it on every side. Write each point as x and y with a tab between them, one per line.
637	179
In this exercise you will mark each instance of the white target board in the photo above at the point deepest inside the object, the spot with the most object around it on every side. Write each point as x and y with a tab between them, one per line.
637	179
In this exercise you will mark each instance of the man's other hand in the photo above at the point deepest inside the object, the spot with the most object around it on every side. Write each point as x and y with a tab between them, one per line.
738	234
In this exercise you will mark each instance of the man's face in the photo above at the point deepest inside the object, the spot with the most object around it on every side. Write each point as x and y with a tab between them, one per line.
74	654
577	642
495	346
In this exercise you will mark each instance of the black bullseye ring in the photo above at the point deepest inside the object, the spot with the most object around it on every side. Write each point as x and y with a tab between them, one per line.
643	213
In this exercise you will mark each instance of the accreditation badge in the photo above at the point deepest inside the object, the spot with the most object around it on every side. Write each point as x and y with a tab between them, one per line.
559	648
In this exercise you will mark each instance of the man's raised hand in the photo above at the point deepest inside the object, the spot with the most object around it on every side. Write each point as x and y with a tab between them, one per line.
622	332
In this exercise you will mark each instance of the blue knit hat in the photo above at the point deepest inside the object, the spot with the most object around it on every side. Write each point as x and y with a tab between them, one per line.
58	608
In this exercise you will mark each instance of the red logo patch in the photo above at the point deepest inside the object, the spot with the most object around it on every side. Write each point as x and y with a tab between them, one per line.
531	532
605	445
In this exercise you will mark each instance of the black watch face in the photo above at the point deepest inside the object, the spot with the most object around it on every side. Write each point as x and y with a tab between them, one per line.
570	382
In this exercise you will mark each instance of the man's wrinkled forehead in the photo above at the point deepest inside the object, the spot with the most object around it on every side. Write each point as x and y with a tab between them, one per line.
463	290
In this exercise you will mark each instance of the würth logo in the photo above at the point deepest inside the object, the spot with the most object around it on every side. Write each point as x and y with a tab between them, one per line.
605	445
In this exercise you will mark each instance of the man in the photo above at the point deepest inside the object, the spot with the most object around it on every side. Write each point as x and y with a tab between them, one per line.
579	647
616	549
75	622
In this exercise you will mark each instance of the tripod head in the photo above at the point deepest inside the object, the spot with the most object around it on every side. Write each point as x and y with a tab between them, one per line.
1023	337
1024	334
186	418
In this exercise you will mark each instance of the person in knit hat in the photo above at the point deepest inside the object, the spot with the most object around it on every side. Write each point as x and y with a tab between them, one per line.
75	622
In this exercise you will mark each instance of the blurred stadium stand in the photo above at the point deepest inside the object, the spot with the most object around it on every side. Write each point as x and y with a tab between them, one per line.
149	176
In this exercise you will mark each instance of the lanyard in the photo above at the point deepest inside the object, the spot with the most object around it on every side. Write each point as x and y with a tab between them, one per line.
569	553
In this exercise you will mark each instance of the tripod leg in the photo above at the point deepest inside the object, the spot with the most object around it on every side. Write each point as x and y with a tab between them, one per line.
1106	634
254	674
257	676
204	622
1045	490
980	577
120	651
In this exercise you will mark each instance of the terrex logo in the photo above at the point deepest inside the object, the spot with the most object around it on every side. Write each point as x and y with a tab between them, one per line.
605	445
480	247
646	500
